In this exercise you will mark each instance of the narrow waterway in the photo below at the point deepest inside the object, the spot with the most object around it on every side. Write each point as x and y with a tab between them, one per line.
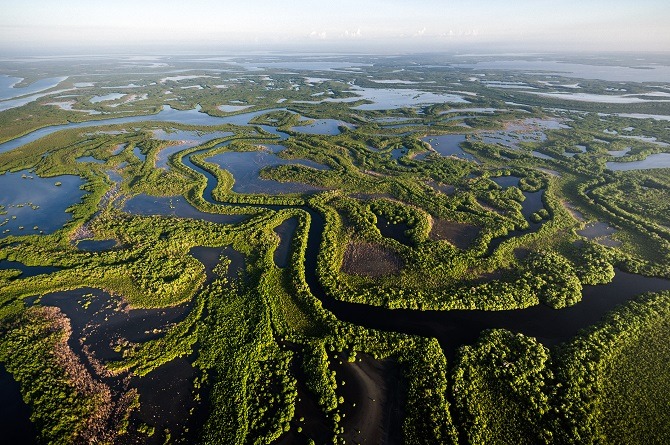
457	327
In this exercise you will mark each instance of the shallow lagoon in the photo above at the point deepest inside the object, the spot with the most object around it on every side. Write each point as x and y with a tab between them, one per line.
507	181
92	245
31	201
9	91
657	73
449	145
391	98
598	98
233	108
322	126
100	321
175	206
27	271
246	166
658	160
186	138
167	114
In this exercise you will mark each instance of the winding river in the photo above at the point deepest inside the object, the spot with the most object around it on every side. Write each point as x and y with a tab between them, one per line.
452	328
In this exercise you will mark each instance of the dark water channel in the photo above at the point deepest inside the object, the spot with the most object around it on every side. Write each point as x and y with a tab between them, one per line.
457	327
105	322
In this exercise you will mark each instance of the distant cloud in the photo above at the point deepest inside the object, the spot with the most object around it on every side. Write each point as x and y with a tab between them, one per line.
421	25
459	33
322	35
352	34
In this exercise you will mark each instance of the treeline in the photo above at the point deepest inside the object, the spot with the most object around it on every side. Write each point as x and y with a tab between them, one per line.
606	386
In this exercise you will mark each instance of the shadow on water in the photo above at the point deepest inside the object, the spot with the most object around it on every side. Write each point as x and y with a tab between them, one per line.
93	245
27	271
285	232
397	231
15	421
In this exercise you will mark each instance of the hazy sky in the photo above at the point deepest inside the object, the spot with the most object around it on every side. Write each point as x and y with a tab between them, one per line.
360	25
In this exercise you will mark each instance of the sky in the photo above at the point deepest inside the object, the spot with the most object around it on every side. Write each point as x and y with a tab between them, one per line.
344	25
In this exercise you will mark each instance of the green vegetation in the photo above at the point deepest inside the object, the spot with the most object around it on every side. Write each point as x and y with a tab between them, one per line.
500	388
396	225
68	406
614	378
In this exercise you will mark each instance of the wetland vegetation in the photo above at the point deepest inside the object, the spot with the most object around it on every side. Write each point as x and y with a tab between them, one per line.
292	251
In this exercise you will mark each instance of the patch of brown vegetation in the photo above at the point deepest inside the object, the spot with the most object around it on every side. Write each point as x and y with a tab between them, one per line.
490	208
85	231
96	426
573	211
447	189
110	409
374	173
372	196
459	234
370	260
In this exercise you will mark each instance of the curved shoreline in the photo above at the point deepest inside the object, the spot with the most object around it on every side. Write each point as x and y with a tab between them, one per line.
454	328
